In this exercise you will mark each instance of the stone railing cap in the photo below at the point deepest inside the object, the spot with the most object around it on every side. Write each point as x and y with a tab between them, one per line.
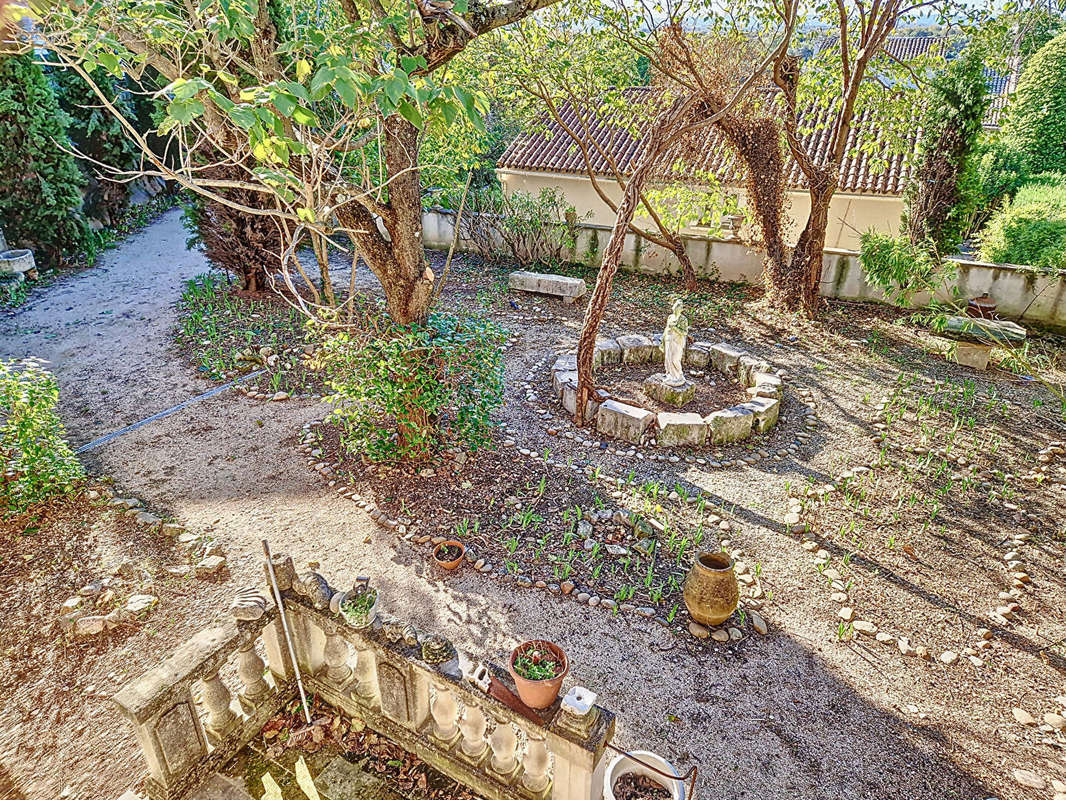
153	691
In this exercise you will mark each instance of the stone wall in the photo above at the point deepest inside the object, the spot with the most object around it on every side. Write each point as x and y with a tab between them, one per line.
1021	292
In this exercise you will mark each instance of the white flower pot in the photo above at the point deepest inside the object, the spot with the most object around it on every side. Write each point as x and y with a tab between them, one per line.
622	765
16	261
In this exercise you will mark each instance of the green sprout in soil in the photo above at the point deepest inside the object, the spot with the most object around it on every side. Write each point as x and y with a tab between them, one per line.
356	607
537	663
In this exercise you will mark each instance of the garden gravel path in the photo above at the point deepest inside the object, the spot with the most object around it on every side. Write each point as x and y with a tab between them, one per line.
789	715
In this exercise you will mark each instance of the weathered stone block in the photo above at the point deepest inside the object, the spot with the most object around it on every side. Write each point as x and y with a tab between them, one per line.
698	355
764	411
559	285
730	424
606	351
725	357
681	429
567	362
637	349
623	421
767	384
569	400
972	355
747	367
562	379
657	387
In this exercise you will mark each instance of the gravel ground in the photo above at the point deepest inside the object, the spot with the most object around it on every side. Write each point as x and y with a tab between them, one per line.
792	714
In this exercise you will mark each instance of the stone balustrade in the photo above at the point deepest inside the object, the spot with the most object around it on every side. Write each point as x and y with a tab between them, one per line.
411	687
188	720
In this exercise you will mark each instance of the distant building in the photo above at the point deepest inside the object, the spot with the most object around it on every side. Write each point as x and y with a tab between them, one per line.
869	195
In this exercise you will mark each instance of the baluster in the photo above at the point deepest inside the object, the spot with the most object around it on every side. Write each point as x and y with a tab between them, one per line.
366	675
216	698
250	668
336	657
503	742
445	712
535	765
473	728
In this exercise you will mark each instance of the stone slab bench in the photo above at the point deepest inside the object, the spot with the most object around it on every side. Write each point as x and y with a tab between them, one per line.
569	289
975	338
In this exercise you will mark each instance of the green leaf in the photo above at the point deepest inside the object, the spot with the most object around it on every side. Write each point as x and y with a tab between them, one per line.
285	103
301	116
322	80
395	88
411	114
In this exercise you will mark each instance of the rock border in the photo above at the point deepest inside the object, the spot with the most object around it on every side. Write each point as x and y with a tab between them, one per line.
638	425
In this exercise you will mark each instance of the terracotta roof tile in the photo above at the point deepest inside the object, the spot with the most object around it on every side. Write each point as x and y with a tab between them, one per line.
553	150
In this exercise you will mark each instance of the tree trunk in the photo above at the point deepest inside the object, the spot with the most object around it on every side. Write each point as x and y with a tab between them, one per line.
612	255
688	272
794	285
399	262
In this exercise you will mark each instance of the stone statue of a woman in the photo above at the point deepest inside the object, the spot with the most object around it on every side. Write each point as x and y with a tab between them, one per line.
674	337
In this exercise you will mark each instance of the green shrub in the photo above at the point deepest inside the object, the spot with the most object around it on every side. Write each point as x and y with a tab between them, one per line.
96	133
40	205
942	193
1001	170
38	462
899	267
1031	228
405	392
1036	121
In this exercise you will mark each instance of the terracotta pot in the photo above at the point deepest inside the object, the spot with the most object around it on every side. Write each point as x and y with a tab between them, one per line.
983	307
455	562
711	592
539	694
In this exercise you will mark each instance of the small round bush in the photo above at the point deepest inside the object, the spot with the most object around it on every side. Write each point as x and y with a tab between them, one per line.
407	391
1030	229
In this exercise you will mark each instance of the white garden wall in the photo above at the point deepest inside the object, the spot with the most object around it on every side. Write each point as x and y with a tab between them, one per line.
1021	292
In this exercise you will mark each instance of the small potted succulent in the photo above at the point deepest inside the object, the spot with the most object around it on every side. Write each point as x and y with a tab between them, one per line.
449	554
538	669
359	606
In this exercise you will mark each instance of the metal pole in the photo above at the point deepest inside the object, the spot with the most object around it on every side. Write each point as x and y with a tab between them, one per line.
285	628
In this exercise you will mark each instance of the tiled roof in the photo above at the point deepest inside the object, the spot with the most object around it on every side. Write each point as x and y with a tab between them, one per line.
554	151
903	48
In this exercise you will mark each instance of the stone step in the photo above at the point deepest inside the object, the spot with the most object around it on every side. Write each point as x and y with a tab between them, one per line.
220	787
343	780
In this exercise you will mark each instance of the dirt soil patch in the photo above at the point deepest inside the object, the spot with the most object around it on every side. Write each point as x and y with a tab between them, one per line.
714	391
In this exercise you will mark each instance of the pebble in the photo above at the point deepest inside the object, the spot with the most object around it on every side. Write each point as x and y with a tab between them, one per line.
759	624
210	566
1056	721
583	597
949	657
720	636
566	587
867	628
700	631
846	613
1027	777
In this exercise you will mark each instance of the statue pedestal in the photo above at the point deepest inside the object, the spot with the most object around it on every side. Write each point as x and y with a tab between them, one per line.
656	386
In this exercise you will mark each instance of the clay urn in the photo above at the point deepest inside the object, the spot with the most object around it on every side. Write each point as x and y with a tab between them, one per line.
983	307
711	592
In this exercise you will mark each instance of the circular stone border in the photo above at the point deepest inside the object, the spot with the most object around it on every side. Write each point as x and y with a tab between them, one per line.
636	424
